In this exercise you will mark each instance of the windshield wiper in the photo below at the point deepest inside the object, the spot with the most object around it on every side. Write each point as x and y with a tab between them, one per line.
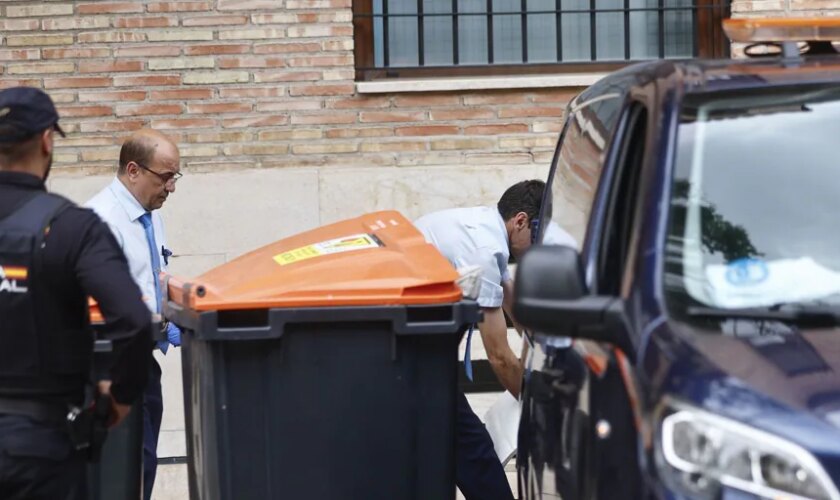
799	314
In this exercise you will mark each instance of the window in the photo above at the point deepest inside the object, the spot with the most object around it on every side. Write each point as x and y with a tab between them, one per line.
426	37
753	212
622	204
579	160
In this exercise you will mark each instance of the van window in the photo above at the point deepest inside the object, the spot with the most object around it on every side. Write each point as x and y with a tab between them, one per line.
578	164
754	200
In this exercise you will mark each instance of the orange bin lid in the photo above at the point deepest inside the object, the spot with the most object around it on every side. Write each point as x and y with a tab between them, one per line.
376	259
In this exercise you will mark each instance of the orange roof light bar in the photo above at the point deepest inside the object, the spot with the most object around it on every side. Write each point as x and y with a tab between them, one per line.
782	29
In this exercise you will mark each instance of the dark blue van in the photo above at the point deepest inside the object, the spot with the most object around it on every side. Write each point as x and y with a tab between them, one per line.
691	347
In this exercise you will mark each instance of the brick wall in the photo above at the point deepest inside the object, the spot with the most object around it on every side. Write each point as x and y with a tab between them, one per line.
790	8
257	83
263	83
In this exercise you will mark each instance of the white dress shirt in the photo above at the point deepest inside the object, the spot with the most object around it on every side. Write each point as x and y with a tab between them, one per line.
472	237
121	211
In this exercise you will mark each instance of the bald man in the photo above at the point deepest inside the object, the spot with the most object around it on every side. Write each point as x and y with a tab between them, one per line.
148	170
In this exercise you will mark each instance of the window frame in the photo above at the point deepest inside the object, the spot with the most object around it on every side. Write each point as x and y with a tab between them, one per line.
711	44
621	207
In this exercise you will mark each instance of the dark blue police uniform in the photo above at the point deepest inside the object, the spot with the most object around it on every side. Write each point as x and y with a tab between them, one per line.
53	256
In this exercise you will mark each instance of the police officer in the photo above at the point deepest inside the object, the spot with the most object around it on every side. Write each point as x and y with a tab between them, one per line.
53	256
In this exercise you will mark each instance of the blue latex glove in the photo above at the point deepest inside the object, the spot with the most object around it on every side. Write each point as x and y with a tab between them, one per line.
173	333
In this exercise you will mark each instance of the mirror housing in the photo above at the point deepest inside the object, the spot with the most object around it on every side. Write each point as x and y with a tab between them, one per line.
550	296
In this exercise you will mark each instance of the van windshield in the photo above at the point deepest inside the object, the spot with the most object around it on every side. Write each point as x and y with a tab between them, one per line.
755	201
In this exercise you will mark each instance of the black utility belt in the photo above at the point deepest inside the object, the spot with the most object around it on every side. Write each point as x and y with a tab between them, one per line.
87	428
53	413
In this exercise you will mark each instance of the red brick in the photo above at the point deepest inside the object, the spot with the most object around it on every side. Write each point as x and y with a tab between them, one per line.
561	96
108	8
318	4
252	92
360	102
4	84
386	116
117	126
252	62
154	51
146	81
179	6
286	76
109	66
203	50
256	121
145	22
313	90
428	130
508	128
21	54
247	4
309	61
283	48
117	95
337	45
336	133
324	119
534	111
318	31
181	123
75	53
111	37
220	108
290	105
324	17
494	98
148	109
19	25
78	111
216	21
552	126
76	82
76	23
88	140
182	94
384	146
424	101
463	114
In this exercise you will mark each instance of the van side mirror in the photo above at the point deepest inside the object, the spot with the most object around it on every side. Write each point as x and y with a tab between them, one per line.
551	297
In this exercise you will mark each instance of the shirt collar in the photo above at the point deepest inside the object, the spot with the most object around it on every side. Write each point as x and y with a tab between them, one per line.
126	200
22	179
501	223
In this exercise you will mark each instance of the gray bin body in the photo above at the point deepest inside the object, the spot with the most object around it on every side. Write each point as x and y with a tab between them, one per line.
341	403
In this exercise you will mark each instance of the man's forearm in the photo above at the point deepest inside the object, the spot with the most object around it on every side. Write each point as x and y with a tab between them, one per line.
505	363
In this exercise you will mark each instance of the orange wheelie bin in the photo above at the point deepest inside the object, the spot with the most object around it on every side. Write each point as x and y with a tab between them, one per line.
324	366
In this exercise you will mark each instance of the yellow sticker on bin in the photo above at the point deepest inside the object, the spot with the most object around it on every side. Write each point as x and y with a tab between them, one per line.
329	247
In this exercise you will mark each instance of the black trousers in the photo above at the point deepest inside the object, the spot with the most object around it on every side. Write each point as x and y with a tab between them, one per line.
478	472
38	462
152	416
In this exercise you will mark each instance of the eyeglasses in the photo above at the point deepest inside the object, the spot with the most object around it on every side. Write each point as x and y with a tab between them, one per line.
535	230
165	178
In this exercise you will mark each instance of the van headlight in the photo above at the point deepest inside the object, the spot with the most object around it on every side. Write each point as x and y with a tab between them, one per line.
702	452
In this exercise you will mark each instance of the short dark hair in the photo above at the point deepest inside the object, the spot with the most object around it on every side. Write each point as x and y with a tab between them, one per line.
137	149
15	152
525	196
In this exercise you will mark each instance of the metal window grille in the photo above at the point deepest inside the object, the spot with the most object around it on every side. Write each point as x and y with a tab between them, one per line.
457	33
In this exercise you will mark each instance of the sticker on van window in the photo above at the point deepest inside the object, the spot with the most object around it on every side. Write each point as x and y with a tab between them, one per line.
329	247
758	283
746	272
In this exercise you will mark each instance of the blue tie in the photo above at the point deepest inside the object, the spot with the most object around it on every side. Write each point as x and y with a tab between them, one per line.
146	220
467	362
